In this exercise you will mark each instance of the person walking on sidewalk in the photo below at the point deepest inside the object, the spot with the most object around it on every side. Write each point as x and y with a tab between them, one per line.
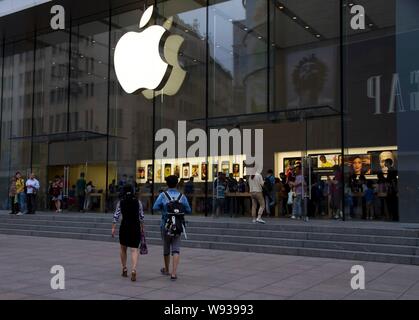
13	196
132	225
20	193
256	191
171	243
32	187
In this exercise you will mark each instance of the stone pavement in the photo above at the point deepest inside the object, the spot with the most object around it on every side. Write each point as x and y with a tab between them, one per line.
93	273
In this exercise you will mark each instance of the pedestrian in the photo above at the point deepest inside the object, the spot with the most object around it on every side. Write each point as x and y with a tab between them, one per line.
369	196
256	193
132	225
20	193
189	190
165	202
220	192
298	185
231	202
14	205
57	193
81	191
89	191
269	192
241	188
32	188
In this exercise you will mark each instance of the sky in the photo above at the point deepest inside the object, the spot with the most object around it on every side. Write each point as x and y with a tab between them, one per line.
221	19
11	6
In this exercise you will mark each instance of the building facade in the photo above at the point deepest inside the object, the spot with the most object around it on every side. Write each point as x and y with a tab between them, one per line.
341	102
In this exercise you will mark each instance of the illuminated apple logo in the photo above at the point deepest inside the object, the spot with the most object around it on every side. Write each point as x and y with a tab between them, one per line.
141	65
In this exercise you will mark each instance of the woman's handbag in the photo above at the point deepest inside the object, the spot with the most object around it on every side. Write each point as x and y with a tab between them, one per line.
143	245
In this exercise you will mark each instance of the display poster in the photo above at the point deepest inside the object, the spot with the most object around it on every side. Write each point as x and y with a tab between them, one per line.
167	170
204	171
185	171
236	170
358	164
195	171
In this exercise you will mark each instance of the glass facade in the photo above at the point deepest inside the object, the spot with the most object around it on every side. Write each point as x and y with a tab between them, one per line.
341	103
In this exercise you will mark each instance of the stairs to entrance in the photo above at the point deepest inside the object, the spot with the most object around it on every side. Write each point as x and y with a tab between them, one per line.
360	241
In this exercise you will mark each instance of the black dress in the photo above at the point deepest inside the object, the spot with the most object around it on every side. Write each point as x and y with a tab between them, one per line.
132	215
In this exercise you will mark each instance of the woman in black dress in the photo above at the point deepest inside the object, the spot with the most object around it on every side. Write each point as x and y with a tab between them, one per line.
130	230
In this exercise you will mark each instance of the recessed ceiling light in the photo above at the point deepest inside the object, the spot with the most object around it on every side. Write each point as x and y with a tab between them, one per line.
259	37
245	29
317	35
294	18
307	27
281	8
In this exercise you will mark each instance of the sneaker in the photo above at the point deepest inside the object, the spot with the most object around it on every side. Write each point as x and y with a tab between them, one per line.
260	221
306	219
19	214
293	217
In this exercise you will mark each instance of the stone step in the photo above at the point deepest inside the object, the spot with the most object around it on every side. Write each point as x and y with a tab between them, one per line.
154	226
283	250
277	225
242	239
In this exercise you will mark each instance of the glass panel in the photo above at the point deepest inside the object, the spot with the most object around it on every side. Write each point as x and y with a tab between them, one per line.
51	107
130	125
189	104
305	116
238	43
407	117
370	133
16	114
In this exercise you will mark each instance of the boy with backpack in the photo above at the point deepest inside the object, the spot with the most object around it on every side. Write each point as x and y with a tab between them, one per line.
173	205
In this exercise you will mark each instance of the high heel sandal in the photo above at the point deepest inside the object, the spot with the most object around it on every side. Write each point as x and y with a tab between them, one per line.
133	276
124	272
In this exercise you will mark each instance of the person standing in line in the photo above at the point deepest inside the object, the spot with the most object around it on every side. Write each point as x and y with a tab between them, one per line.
299	186
369	195
231	201
57	193
20	193
256	191
220	195
189	190
88	198
241	188
132	225
171	244
32	187
81	191
269	192
285	193
13	196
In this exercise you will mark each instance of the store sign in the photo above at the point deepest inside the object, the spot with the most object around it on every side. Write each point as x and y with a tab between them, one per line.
221	142
139	64
396	102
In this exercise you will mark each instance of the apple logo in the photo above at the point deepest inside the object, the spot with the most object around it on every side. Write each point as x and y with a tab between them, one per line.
147	61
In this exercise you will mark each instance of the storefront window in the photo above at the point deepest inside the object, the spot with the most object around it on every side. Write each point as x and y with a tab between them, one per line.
370	135
17	113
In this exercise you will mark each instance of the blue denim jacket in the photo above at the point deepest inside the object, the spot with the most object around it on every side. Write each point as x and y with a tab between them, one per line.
161	204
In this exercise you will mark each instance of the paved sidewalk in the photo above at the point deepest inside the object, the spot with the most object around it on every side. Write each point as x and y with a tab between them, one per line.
93	272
